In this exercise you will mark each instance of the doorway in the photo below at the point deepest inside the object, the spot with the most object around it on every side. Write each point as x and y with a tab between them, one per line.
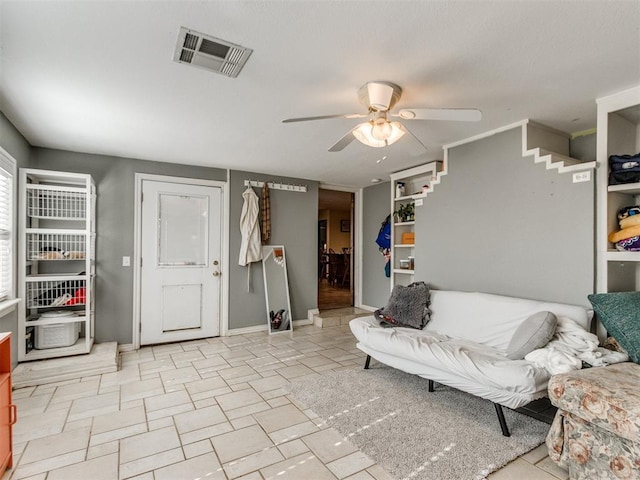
180	252
335	249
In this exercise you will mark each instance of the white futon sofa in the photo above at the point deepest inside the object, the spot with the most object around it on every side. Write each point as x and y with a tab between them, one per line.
464	346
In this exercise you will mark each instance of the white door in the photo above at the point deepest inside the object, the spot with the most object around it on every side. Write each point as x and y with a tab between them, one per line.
181	264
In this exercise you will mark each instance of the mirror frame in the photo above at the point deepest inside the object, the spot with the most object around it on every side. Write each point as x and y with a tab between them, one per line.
268	256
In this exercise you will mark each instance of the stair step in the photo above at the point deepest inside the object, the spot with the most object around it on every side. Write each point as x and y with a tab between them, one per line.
103	358
338	316
558	157
562	163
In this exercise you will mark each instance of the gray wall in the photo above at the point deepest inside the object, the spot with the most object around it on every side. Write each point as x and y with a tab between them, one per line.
17	146
376	205
583	147
13	142
294	224
499	223
115	184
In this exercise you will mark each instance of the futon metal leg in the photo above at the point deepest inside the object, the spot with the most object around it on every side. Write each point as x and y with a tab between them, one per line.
503	422
367	361
431	389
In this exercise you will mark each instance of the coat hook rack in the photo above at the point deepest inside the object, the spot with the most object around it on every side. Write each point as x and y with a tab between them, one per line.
277	186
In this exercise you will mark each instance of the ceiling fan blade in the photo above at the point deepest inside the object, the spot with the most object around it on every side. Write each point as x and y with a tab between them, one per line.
406	130
324	117
344	141
452	114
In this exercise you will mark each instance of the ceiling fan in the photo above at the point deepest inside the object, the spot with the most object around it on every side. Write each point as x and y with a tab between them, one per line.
379	98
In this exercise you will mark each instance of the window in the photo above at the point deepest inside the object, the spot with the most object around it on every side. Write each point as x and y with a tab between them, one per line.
7	169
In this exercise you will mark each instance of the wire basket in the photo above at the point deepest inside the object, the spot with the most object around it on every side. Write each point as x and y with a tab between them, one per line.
56	204
56	246
56	293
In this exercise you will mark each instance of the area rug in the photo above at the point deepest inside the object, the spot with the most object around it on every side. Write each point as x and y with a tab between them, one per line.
413	433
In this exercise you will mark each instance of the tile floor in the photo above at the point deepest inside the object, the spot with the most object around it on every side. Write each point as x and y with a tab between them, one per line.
208	409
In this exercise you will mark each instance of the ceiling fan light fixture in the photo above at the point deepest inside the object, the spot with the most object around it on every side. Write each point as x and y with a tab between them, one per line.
381	129
396	133
379	98
364	133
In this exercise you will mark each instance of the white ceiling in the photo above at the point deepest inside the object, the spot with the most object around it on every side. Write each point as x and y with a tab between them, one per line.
98	76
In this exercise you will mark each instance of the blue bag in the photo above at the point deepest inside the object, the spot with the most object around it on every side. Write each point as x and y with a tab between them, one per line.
384	235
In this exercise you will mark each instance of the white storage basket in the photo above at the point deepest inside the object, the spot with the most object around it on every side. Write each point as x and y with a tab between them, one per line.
56	334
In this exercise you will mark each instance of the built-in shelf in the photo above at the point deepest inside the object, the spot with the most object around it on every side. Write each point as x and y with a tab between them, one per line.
417	184
617	255
618	133
404	224
628	188
404	271
410	197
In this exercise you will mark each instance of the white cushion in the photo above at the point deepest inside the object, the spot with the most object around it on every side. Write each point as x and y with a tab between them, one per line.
490	319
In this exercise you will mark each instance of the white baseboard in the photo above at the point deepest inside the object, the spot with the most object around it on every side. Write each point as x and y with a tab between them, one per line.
367	307
311	312
128	347
245	330
299	323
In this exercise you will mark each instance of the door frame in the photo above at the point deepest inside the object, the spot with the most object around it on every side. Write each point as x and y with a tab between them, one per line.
356	232
137	247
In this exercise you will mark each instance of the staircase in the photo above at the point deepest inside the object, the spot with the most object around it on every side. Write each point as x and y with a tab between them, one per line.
558	161
546	145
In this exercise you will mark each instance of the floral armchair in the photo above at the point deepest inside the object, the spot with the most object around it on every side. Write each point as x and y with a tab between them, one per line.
596	431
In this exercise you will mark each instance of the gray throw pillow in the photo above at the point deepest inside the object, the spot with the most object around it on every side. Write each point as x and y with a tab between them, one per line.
535	332
408	306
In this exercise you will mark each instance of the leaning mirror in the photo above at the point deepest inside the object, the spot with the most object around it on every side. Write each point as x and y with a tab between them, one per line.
276	288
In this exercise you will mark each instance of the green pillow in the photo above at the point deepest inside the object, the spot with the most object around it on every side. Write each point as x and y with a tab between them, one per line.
620	314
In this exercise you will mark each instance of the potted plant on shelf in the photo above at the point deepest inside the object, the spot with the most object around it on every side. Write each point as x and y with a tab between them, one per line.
405	213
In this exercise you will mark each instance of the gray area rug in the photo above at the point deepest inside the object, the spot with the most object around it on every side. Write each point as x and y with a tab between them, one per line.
412	433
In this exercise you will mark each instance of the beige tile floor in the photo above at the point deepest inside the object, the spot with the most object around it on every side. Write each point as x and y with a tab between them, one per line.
208	409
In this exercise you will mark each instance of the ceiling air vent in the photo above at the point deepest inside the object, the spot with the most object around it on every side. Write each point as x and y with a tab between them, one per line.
204	51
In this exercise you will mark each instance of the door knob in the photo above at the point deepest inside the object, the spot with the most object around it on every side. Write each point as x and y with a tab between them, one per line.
216	274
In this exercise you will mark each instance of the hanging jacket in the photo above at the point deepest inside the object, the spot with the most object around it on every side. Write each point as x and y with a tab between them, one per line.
251	245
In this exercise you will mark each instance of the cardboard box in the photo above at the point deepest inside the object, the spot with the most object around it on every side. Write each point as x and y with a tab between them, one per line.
408	238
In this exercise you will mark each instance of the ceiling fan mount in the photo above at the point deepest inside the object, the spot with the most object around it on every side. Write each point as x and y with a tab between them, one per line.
380	97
